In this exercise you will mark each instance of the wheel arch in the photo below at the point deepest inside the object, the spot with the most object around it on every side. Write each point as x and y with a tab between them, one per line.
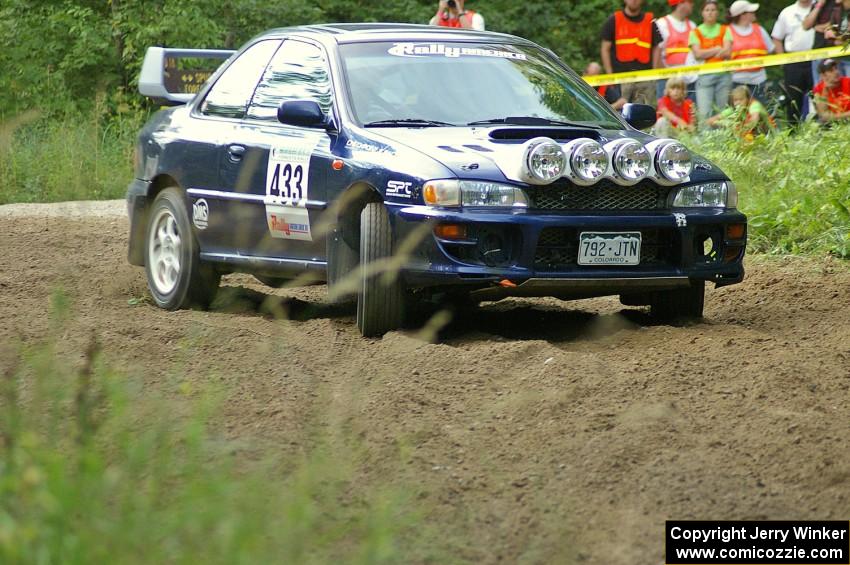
139	219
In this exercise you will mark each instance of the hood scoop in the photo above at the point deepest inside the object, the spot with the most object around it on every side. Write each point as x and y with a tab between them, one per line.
526	133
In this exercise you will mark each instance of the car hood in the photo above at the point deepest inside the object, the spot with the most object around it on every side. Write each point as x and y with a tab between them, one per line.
495	153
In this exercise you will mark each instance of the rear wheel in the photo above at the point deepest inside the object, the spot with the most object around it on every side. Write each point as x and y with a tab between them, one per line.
380	296
680	303
176	276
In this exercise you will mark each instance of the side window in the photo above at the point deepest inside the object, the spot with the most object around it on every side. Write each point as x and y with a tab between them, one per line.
298	71
230	94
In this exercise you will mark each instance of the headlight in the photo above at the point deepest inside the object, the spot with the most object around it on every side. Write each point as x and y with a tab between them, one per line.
709	195
630	160
473	193
543	161
587	160
672	160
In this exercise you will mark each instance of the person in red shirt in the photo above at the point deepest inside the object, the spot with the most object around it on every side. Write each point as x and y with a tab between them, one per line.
675	111
832	93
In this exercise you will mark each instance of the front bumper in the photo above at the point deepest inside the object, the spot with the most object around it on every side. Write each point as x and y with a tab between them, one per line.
539	251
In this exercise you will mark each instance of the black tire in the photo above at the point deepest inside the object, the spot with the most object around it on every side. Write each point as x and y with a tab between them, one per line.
177	278
380	302
681	303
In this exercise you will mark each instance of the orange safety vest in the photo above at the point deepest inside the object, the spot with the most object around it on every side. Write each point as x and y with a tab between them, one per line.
706	43
632	41
602	89
676	47
748	46
455	22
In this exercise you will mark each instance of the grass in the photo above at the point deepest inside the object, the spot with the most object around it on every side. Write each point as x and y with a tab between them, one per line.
795	187
73	157
92	470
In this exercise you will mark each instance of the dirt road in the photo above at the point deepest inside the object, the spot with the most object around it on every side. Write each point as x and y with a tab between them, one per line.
535	431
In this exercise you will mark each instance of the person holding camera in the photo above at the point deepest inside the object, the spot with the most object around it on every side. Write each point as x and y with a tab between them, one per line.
451	13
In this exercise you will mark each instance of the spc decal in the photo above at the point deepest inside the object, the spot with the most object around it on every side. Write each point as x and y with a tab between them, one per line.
399	189
439	49
200	214
288	189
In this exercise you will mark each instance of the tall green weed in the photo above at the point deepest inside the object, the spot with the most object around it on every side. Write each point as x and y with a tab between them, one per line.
68	157
95	470
794	185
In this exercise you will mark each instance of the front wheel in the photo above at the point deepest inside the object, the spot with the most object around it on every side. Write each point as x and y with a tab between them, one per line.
176	276
380	296
680	303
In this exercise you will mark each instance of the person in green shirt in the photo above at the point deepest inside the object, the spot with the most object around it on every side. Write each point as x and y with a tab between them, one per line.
711	42
747	115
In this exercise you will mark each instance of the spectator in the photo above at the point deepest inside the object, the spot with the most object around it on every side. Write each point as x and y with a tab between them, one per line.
832	93
675	110
451	13
630	42
747	116
675	29
825	15
610	92
711	42
748	40
789	36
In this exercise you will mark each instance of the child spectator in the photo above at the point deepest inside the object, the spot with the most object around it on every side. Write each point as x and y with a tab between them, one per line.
747	116
675	111
832	93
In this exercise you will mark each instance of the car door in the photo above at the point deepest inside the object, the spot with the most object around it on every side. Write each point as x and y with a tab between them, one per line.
216	208
282	167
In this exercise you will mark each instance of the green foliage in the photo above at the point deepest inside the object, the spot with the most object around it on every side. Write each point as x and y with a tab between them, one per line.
795	187
71	156
56	56
95	471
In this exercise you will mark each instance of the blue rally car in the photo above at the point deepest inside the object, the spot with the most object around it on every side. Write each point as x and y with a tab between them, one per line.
402	162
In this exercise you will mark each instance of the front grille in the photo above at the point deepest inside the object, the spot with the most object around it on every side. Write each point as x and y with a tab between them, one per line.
557	249
605	195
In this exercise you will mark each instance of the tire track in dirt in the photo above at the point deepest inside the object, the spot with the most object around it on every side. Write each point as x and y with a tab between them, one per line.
535	431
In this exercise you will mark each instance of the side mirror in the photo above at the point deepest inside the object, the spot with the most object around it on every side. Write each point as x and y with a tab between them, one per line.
639	116
305	113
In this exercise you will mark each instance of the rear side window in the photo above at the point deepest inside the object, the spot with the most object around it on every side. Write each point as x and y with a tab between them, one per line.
298	71
230	94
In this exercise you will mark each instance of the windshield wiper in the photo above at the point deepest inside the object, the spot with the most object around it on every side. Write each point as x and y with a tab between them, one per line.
530	121
407	122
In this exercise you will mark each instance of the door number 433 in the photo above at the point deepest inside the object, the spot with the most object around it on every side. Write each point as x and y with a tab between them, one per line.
286	181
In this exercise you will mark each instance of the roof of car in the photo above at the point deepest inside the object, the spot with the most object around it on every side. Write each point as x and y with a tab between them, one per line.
354	32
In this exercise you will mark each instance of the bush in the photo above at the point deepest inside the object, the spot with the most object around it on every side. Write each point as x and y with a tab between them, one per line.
794	185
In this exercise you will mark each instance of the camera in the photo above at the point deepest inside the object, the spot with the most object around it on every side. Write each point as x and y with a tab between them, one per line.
452	4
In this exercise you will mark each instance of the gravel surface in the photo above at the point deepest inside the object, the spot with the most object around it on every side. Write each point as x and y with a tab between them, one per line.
534	431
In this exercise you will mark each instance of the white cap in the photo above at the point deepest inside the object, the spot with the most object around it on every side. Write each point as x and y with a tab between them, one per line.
739	7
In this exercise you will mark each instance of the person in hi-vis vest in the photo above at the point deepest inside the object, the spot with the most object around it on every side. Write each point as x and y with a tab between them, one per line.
675	29
631	42
451	13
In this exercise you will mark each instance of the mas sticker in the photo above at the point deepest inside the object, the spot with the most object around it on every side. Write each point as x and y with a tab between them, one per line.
443	50
200	214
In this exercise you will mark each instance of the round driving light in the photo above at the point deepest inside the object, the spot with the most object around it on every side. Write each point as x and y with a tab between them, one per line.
544	161
588	161
673	161
631	160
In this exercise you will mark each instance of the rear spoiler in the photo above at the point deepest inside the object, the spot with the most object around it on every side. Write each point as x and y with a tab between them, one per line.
162	83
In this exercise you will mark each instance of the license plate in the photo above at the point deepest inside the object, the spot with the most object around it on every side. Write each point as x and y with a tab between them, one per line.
609	248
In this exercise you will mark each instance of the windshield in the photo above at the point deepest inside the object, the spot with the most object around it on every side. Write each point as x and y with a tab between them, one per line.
439	83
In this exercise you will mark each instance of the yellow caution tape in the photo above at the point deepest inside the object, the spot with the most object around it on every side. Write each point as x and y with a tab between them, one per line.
718	67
